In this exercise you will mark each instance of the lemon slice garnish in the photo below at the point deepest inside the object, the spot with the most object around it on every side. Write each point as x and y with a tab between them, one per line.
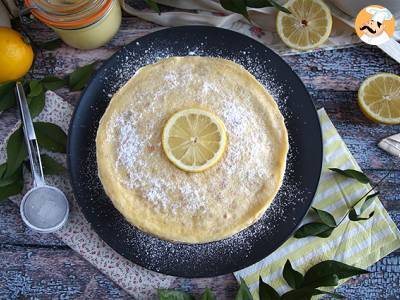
379	98
307	27
194	139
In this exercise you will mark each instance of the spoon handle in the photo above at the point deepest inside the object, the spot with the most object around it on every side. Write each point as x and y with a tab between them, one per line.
30	137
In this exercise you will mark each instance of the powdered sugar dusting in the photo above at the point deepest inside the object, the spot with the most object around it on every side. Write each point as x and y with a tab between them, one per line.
129	143
239	175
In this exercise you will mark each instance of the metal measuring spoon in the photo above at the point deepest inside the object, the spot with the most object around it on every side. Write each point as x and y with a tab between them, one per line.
44	208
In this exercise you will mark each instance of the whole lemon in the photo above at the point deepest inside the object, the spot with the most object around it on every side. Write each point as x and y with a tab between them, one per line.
16	55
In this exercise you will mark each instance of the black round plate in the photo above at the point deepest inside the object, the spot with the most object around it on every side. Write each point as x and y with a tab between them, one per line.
250	245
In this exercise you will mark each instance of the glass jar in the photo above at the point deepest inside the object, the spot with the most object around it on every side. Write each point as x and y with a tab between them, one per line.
83	24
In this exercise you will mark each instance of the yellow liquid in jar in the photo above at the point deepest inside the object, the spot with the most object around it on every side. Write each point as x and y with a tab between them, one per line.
94	35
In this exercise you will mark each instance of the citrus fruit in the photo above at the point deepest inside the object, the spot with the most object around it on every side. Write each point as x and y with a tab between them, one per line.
379	98
194	139
16	55
307	27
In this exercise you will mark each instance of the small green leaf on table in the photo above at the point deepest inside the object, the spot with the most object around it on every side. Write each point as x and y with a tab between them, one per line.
325	217
35	88
36	104
368	201
208	295
350	173
4	181
236	6
3	168
279	7
243	293
78	78
51	45
328	268
7	96
16	152
153	5
53	83
258	3
267	292
328	280
50	136
11	187
354	217
333	295
314	229
294	278
165	294
50	166
303	293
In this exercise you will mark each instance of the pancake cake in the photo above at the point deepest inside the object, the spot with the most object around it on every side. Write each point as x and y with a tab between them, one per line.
194	204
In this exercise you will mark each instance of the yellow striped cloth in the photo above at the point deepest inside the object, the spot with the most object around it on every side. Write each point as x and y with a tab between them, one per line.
356	243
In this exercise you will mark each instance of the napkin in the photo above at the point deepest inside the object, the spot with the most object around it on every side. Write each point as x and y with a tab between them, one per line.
391	144
211	13
355	243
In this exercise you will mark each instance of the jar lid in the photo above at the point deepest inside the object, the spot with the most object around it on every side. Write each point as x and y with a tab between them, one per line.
68	13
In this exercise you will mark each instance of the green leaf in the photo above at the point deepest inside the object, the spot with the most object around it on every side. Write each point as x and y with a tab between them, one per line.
78	79
50	136
16	152
51	45
10	179
267	292
354	217
325	217
326	233
53	83
243	293
208	295
258	3
300	294
368	201
236	6
350	173
13	188
328	268
36	104
333	295
3	168
7	96
313	229
50	166
294	278
153	5
279	7
329	280
164	294
35	88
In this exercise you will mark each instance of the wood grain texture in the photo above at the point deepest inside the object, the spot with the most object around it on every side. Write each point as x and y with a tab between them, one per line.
42	267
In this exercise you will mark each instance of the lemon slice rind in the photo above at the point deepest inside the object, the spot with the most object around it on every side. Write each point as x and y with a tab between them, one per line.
367	110
297	16
169	151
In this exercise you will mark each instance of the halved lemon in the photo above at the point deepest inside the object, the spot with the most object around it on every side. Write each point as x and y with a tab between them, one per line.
379	98
194	139
307	27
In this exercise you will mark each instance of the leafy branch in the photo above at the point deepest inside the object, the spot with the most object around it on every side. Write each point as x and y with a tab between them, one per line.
326	224
236	6
49	136
324	274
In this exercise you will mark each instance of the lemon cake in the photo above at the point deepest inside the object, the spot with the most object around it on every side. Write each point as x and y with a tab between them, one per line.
192	149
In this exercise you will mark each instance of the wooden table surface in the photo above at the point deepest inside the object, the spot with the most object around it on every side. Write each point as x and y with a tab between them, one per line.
40	266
